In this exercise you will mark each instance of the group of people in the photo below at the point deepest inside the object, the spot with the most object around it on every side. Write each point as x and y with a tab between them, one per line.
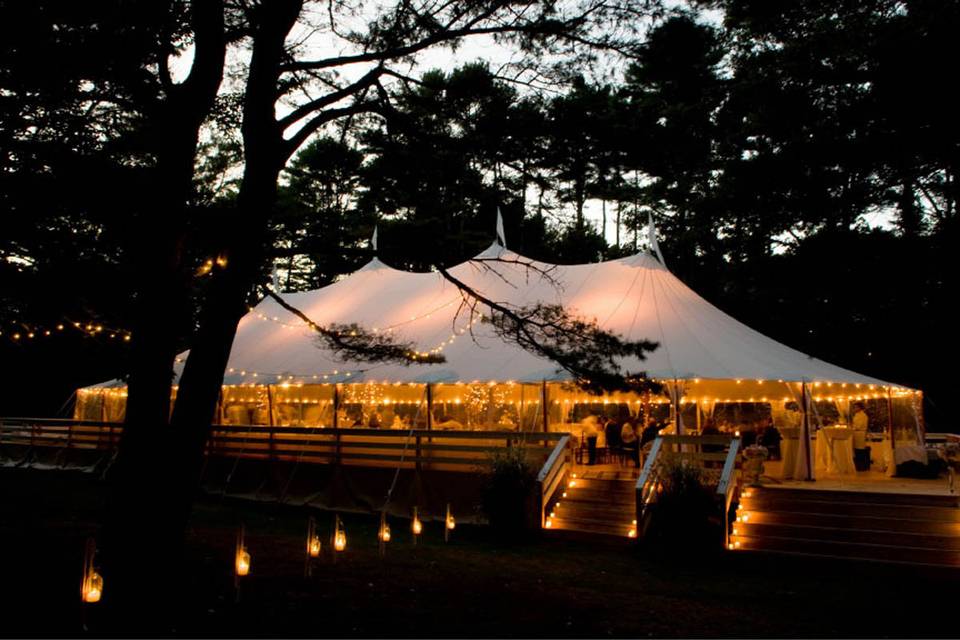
618	437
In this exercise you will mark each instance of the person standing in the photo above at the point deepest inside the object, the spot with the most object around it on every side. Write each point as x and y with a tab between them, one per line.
590	434
861	422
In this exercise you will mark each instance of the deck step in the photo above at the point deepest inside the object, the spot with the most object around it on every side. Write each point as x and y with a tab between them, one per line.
594	506
830	505
852	550
917	529
863	523
591	526
914	499
922	540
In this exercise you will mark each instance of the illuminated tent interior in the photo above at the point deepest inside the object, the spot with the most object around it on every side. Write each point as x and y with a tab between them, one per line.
711	365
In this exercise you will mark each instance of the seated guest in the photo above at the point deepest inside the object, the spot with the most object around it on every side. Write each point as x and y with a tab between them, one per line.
770	438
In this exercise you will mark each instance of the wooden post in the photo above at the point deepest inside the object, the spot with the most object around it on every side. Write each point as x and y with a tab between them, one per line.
418	465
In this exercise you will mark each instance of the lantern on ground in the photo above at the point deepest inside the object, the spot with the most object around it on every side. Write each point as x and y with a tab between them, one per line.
91	587
416	526
313	539
243	562
383	534
241	558
449	524
339	535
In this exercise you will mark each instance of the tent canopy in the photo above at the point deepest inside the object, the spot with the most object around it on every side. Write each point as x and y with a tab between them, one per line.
635	297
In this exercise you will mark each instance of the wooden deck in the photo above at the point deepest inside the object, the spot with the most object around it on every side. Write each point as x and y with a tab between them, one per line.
867	481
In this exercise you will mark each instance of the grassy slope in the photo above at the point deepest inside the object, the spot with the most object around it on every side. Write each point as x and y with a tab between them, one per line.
473	586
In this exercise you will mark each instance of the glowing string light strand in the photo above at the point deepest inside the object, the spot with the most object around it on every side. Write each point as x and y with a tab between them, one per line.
29	331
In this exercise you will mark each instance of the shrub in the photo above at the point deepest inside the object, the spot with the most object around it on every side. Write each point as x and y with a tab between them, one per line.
684	511
508	486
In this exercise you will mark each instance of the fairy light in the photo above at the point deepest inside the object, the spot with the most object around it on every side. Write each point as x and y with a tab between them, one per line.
31	331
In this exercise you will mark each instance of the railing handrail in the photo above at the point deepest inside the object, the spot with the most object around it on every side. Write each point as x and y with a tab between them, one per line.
555	455
724	485
649	463
552	474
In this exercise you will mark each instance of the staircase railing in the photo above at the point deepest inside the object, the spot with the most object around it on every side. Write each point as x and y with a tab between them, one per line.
647	485
688	448
727	486
553	475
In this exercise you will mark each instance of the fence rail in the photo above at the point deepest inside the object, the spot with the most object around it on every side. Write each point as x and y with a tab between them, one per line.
435	449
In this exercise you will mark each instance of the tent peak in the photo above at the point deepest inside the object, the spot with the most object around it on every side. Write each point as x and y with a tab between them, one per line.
501	235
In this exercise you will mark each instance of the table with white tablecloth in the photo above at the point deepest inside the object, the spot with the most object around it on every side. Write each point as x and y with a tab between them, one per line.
834	452
789	445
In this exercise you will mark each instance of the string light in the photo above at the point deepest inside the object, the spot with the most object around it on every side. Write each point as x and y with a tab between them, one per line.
27	331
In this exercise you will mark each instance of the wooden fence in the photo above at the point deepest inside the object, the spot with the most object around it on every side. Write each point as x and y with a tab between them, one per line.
417	449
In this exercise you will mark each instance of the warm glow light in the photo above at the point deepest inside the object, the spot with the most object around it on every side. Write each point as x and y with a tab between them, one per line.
416	526
632	533
314	547
451	523
243	562
93	587
384	533
340	541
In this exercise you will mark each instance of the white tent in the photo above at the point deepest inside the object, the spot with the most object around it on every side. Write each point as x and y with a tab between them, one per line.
635	297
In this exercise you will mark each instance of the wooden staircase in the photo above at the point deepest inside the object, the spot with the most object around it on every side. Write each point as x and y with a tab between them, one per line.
884	527
595	507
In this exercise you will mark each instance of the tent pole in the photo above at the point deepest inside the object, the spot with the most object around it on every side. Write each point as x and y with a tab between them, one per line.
806	430
890	420
918	411
429	406
675	396
543	405
336	404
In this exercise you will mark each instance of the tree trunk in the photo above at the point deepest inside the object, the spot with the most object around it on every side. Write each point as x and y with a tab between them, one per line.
141	546
224	301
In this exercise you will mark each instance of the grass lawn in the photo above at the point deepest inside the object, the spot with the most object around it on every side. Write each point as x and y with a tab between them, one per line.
473	586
